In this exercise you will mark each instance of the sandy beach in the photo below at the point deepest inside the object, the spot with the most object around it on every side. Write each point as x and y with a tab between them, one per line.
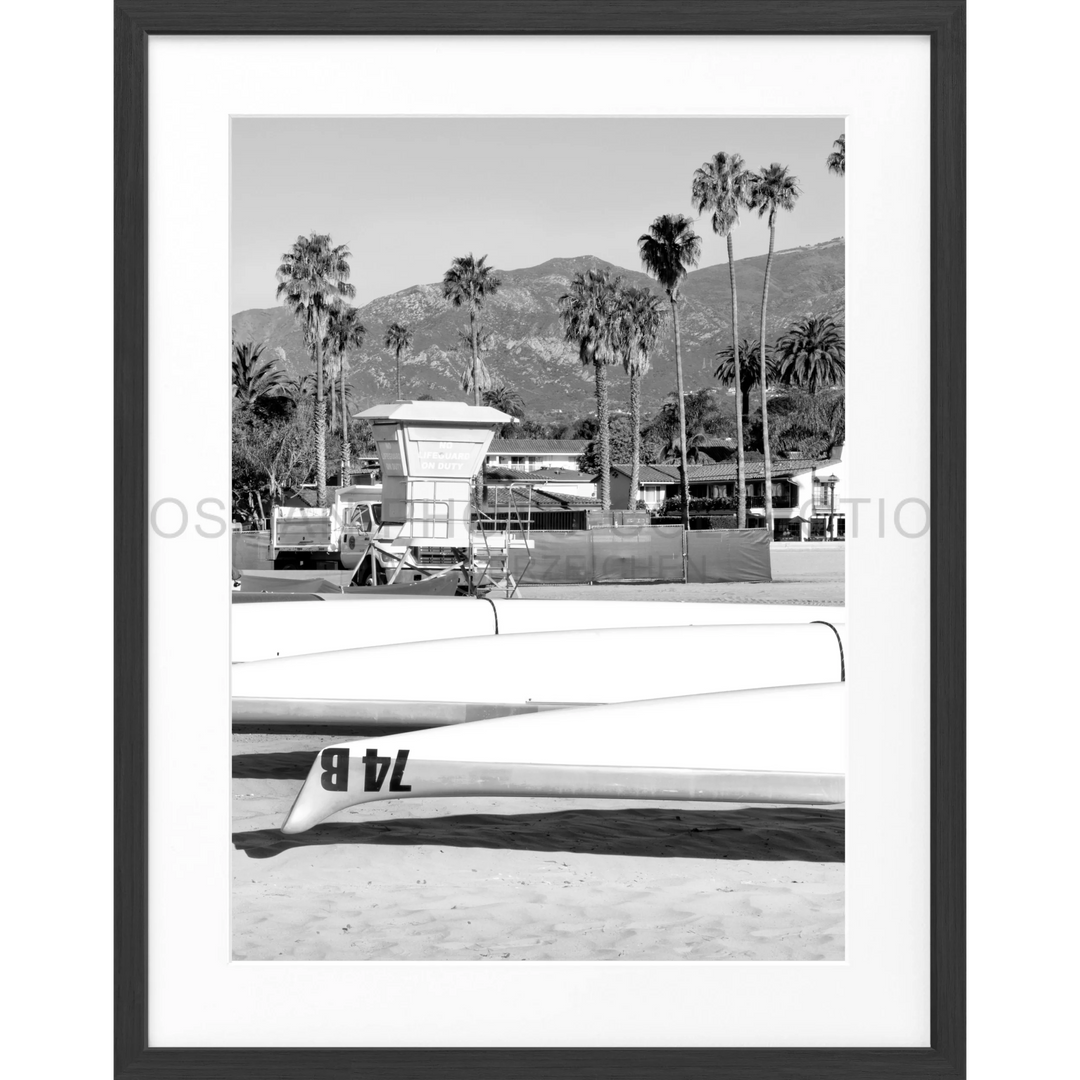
541	879
527	879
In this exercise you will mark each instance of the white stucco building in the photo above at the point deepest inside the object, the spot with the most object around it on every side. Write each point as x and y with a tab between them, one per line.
528	455
808	493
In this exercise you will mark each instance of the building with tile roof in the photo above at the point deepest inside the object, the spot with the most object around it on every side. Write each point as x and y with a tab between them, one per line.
551	481
528	455
808	493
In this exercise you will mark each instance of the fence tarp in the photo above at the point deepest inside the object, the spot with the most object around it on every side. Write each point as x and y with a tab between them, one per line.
728	555
557	558
637	554
651	553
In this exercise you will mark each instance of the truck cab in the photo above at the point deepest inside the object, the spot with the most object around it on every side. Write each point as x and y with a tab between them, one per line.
359	511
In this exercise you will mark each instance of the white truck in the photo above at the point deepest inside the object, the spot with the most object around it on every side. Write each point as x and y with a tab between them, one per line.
311	538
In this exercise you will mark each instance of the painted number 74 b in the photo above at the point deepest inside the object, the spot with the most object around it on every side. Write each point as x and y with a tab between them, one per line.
335	766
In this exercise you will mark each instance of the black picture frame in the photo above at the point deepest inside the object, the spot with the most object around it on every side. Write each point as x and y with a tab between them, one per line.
943	21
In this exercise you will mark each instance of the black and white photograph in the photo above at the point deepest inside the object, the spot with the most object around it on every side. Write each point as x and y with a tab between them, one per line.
539	512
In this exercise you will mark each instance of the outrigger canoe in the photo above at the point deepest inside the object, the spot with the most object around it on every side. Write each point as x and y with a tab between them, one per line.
781	745
270	587
269	630
453	681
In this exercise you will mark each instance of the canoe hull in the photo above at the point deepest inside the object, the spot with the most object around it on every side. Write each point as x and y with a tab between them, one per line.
764	746
287	629
562	668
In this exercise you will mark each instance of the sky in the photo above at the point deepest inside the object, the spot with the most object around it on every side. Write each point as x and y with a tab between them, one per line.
409	194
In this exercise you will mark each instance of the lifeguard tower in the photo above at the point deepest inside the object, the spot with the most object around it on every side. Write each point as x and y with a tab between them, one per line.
430	451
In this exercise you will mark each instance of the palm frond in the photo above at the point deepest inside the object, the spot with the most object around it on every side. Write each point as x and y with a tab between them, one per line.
773	189
749	365
836	160
811	354
255	376
669	249
313	279
398	338
469	281
639	315
589	310
721	186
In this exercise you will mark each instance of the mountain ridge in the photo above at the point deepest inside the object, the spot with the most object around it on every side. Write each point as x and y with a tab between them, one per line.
527	351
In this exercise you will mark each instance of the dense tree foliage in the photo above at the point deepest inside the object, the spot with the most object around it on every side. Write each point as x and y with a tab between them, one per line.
622	446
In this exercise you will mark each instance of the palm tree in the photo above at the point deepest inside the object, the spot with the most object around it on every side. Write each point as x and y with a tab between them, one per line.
811	354
749	373
302	387
638	325
668	250
835	160
704	420
344	330
312	277
398	339
468	283
723	185
255	376
672	449
589	315
506	399
774	189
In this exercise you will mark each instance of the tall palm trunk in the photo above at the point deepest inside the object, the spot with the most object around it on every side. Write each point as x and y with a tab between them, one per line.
320	424
764	386
684	480
397	357
478	480
475	355
740	450
604	433
346	450
635	437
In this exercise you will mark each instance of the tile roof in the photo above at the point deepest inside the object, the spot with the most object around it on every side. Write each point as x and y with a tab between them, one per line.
573	502
541	476
569	447
722	470
542	500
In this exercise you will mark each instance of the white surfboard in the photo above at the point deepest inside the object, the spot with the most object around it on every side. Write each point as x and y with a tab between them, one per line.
429	684
781	745
266	631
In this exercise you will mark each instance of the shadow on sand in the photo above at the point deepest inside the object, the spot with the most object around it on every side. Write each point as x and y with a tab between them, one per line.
289	765
804	834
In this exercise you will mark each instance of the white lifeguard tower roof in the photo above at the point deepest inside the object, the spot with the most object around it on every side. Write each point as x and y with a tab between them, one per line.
438	412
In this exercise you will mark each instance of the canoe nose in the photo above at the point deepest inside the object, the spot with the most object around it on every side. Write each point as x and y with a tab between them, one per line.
306	812
325	791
